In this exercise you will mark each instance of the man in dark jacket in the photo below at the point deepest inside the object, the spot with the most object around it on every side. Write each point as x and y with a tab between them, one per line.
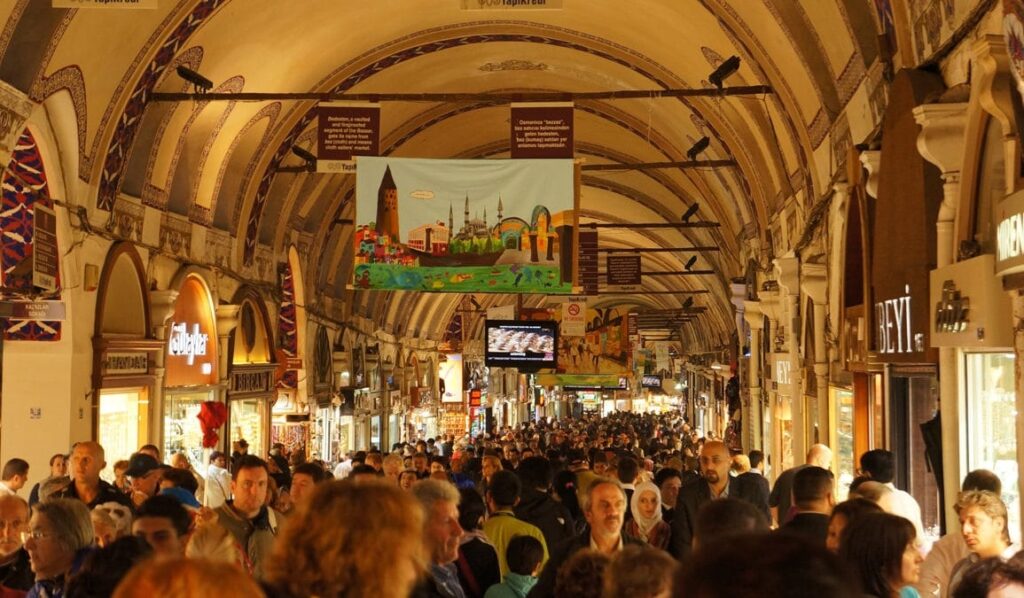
814	499
604	506
714	483
15	569
537	508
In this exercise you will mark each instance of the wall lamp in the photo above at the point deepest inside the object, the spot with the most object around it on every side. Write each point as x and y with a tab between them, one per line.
724	71
306	156
690	211
199	82
701	145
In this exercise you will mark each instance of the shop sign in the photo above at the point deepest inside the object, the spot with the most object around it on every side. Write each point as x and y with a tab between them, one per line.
508	4
125	363
252	382
1010	235
186	342
781	371
951	311
33	310
895	328
982	321
346	130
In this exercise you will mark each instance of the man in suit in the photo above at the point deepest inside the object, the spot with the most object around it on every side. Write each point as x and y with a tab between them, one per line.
714	483
757	482
814	498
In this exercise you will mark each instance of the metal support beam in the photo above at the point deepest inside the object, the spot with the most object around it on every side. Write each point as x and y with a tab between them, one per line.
685	164
671	273
497	98
701	224
657	249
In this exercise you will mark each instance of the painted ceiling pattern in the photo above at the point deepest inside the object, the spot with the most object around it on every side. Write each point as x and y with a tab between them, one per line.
217	165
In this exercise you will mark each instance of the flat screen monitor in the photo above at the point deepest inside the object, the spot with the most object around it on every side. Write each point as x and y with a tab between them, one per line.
523	345
650	381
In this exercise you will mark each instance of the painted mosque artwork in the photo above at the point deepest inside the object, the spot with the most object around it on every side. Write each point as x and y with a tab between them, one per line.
508	254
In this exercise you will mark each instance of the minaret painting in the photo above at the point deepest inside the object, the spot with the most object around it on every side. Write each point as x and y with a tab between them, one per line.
387	207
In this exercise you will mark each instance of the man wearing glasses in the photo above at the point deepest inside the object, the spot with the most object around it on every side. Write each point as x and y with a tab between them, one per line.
714	483
15	569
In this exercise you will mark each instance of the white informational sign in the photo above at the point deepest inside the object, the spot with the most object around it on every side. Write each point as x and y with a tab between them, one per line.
187	343
661	356
574	317
510	4
149	4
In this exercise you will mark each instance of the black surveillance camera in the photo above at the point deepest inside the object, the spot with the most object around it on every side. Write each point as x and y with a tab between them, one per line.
701	145
690	262
724	70
305	154
201	83
688	303
690	211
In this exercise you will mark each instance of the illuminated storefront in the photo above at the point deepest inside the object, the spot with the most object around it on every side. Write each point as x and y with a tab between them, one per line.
191	369
251	376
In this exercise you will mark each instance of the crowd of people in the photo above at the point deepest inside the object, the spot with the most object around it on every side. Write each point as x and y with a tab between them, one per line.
622	506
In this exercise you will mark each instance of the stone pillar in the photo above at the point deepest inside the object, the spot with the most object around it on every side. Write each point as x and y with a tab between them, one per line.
753	416
161	308
941	143
814	285
787	270
739	294
227	320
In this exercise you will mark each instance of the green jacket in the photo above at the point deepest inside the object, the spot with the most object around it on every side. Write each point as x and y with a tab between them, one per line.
514	586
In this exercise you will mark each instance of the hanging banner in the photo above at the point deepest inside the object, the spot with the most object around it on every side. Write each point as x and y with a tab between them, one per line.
574	317
541	130
449	378
515	233
346	130
623	272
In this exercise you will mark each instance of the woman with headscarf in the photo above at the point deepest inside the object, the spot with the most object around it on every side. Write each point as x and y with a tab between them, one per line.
647	524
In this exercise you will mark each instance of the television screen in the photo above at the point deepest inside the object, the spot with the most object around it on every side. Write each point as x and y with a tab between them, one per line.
649	381
523	345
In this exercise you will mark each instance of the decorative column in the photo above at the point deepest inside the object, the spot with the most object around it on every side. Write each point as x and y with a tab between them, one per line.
787	270
161	308
753	417
227	320
739	294
814	284
941	143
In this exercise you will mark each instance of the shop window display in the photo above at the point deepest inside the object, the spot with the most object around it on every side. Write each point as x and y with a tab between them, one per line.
991	434
121	412
247	422
182	432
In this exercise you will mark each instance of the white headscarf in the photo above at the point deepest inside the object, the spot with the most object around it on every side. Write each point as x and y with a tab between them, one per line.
646	524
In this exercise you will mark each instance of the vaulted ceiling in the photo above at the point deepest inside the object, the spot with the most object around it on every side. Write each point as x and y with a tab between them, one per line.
216	162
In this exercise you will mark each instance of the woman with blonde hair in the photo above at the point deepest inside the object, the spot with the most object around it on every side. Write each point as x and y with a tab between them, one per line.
349	541
187	578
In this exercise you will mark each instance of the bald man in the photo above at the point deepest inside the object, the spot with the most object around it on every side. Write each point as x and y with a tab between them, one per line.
714	483
87	461
15	569
781	499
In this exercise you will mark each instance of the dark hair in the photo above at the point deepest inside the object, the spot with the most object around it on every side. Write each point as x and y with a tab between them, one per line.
312	470
665	474
564	486
363	469
471	508
628	470
873	547
504	488
167	508
725	518
582	575
54	458
535	472
216	455
982	479
103	568
15	467
148	447
879	464
853	509
182	478
772	565
756	457
978	578
811	484
248	462
1011	571
523	554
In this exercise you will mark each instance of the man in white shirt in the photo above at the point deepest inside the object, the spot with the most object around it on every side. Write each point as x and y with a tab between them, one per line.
950	549
218	481
343	468
879	465
14	476
983	523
